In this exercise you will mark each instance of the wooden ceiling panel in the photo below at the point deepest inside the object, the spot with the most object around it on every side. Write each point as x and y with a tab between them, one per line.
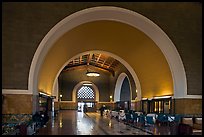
98	60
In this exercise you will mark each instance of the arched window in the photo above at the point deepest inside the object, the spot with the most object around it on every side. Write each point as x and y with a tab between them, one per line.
85	92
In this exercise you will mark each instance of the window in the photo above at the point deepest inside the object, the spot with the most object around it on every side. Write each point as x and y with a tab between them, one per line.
85	92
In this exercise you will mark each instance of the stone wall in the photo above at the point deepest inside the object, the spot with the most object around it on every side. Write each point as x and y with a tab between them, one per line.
17	104
109	105
56	105
188	106
68	105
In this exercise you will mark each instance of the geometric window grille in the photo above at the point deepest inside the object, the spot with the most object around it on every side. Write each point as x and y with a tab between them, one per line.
85	92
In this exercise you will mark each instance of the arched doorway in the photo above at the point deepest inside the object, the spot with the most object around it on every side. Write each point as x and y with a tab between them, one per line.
125	96
123	92
85	93
86	99
118	87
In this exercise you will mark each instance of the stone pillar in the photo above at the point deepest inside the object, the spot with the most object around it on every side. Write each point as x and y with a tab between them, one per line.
35	102
53	108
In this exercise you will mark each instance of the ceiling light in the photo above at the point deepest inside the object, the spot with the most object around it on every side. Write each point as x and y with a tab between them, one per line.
87	84
92	74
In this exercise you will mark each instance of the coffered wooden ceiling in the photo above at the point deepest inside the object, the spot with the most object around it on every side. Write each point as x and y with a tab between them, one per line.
100	61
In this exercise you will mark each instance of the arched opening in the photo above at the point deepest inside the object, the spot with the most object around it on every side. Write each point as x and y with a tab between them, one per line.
74	71
123	92
86	99
128	67
80	84
125	96
85	95
41	58
118	87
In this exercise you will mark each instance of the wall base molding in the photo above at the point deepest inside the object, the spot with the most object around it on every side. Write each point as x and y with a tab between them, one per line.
190	97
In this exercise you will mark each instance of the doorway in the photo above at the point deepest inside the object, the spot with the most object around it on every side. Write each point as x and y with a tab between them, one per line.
86	99
86	106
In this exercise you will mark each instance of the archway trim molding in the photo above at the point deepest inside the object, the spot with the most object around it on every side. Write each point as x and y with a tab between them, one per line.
55	91
16	91
80	84
121	15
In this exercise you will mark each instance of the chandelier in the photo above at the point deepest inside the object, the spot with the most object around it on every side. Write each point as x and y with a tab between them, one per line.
92	74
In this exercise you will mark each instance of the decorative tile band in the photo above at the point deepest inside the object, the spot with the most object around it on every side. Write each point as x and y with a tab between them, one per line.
16	118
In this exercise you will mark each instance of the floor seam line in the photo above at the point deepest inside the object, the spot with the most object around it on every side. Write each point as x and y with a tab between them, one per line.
97	124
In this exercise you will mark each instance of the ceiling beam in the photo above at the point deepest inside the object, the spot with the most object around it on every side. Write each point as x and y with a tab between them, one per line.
80	59
104	62
81	65
98	58
111	63
89	58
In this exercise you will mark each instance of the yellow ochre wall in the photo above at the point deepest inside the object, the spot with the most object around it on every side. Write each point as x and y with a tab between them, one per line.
125	41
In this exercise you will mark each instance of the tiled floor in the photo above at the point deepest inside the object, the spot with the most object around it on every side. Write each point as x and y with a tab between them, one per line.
71	122
112	127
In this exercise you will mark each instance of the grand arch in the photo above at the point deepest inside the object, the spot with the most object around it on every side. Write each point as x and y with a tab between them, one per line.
114	14
129	68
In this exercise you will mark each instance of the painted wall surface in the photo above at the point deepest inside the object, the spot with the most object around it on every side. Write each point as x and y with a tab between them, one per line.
25	24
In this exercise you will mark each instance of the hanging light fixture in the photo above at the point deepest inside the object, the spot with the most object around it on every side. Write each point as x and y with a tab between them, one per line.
92	74
87	84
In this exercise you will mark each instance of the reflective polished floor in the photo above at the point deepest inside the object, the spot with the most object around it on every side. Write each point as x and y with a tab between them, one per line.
71	122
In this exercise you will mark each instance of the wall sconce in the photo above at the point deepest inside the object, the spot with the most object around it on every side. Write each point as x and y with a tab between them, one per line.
111	98
60	99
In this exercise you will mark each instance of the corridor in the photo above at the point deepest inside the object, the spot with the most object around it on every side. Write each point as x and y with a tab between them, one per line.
71	122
